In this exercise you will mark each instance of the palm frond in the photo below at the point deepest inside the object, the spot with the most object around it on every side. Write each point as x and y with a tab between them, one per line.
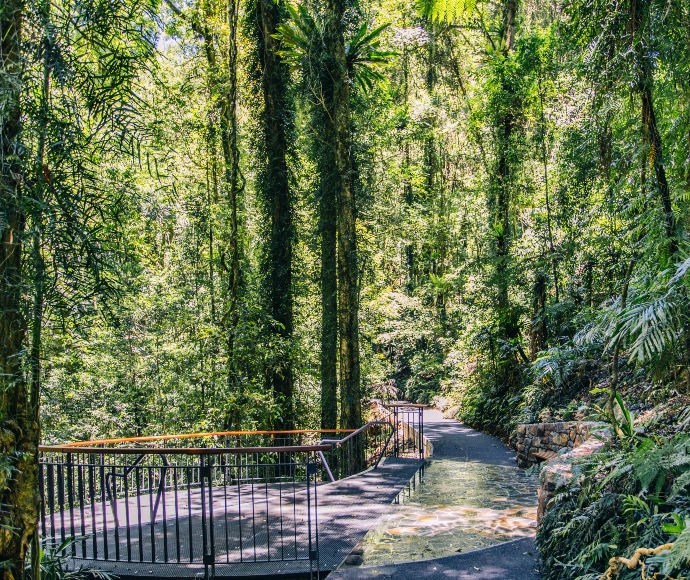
364	56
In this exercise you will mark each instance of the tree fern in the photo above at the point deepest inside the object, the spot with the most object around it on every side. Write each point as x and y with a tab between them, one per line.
301	36
446	10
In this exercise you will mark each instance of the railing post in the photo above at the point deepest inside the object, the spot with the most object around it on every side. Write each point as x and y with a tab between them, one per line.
208	549
421	433
313	539
395	426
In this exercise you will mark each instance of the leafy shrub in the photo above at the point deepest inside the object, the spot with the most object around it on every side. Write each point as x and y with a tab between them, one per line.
624	499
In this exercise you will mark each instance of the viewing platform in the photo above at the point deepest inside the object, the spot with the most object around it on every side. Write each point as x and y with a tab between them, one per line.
227	504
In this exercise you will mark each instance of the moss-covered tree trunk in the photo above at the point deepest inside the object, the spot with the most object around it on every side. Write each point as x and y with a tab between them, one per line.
348	282
329	293
276	121
639	13
19	426
329	180
502	180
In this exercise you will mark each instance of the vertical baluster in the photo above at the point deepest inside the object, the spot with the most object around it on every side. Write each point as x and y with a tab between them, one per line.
82	499
225	505
116	521
294	506
189	508
128	532
137	477
152	516
105	507
204	536
239	504
164	475
316	523
70	499
61	498
266	469
42	493
309	512
281	461
212	533
177	512
253	508
92	501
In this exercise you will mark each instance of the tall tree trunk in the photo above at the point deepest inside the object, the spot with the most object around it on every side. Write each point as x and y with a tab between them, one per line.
545	165
653	141
409	202
407	180
275	187
538	327
348	282
613	385
503	177
231	158
329	179
329	291
19	428
652	137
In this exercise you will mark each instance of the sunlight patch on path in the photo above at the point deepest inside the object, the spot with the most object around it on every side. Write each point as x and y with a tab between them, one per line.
454	506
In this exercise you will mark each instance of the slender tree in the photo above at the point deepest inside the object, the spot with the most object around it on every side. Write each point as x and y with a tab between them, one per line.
348	281
329	278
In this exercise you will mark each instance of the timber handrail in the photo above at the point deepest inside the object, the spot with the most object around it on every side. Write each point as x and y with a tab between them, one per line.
146	438
356	432
179	451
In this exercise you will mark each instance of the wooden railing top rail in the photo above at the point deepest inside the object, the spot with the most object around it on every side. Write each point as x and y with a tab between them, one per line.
179	451
414	405
354	432
149	438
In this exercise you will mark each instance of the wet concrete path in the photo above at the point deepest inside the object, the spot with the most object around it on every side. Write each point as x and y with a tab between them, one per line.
462	458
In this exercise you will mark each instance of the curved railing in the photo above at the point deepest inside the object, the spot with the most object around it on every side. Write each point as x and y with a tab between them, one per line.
240	499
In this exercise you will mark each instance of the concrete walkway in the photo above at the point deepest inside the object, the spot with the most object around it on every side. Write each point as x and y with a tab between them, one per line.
514	560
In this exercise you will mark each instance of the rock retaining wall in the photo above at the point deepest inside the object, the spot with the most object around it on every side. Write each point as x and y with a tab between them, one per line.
543	437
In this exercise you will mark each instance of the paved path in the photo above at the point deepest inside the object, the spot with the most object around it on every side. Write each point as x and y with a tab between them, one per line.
452	440
514	560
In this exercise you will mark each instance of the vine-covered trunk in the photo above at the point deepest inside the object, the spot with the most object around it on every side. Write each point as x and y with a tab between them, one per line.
348	282
653	142
329	301
652	137
503	176
19	428
275	188
537	337
231	159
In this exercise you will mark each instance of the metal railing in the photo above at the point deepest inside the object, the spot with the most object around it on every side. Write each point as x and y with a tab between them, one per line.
193	506
408	422
358	451
228	498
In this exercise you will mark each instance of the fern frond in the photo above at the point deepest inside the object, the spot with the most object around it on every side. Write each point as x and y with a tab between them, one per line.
446	10
680	483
